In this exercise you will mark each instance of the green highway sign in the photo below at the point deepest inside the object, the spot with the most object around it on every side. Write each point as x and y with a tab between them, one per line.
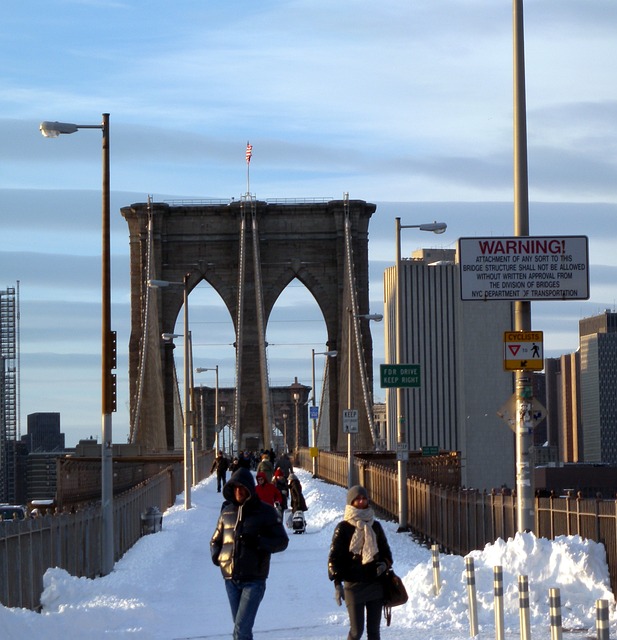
430	451
399	375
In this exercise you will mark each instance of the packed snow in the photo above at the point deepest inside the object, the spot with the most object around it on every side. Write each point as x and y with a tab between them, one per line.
167	587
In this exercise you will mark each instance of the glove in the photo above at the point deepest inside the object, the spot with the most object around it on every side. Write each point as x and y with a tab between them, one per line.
339	594
249	541
381	568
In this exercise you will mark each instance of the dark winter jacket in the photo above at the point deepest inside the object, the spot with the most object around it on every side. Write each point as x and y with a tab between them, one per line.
343	565
221	464
246	534
295	494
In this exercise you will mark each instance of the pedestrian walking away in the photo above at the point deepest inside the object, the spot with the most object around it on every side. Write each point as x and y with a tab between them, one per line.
248	531
280	483
359	556
268	492
266	466
284	464
221	464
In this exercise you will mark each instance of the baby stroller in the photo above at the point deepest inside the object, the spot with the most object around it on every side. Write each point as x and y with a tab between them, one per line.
298	522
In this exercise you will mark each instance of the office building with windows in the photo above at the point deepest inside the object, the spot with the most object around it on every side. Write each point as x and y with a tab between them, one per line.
598	386
459	346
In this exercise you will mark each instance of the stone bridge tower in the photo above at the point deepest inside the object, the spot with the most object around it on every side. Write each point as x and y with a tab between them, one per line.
249	251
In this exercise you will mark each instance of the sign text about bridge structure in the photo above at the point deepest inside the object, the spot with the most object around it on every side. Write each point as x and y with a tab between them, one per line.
524	268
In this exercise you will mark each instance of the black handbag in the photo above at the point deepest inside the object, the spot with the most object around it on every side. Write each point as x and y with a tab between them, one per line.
394	593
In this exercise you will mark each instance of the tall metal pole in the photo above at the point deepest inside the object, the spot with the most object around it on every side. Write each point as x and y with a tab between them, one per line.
522	309
349	448
192	414
107	378
216	411
297	443
314	419
401	426
187	400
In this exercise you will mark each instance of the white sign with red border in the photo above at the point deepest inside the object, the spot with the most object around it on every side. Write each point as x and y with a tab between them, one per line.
524	268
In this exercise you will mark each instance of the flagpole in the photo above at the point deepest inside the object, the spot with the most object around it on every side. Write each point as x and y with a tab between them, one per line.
249	154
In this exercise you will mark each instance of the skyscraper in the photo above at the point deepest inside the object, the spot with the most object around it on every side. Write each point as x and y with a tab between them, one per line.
459	347
598	386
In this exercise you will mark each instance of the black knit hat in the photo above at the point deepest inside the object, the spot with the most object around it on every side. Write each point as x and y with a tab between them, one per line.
355	491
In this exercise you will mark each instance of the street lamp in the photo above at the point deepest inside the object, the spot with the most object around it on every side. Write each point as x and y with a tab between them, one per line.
222	411
402	447
285	415
188	472
377	317
108	345
314	453
216	404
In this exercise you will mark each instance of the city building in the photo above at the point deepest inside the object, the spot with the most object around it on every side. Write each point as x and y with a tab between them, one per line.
9	394
44	433
563	406
459	346
598	386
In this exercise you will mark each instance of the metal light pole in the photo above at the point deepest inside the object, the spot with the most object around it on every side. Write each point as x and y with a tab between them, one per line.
522	309
402	446
285	416
377	317
296	397
108	345
328	354
216	404
222	410
187	454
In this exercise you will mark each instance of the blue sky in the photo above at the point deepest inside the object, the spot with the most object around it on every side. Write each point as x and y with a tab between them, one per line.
408	105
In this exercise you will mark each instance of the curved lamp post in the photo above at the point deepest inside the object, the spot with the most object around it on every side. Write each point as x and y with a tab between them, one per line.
376	317
402	447
328	354
216	405
188	463
108	344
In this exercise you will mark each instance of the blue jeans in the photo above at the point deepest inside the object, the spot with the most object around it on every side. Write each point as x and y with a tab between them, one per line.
244	600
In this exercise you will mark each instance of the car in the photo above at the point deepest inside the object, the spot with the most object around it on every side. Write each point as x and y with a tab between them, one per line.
13	512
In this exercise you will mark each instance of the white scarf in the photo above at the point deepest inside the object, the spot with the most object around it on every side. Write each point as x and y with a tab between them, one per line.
363	540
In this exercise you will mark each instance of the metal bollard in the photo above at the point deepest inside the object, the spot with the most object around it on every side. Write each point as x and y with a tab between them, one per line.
436	573
470	575
554	598
498	594
523	607
602	627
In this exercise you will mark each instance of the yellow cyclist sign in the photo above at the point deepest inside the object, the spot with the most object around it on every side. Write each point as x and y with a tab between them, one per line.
523	350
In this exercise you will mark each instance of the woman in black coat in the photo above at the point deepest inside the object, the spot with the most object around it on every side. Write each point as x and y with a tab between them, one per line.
359	555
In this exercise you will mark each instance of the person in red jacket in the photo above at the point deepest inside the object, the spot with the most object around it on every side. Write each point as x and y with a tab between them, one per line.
266	491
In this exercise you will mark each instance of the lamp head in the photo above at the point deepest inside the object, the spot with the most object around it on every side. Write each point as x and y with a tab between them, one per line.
54	129
435	227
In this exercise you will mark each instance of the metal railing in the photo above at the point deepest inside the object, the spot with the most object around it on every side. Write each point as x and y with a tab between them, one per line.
461	520
72	541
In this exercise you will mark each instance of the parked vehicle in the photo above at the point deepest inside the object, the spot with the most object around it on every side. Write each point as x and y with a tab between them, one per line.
13	512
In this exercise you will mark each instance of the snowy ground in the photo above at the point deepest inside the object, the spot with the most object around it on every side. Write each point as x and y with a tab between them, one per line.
167	587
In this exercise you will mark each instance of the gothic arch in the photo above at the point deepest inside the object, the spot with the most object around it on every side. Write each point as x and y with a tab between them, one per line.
249	251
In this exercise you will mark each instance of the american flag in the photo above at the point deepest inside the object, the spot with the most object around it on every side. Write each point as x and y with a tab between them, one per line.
249	152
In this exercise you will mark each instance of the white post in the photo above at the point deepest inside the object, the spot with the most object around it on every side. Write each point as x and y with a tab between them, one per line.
554	596
523	607
602	626
471	595
436	571
498	597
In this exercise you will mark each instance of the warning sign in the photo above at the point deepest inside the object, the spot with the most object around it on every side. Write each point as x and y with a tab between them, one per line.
523	350
524	268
